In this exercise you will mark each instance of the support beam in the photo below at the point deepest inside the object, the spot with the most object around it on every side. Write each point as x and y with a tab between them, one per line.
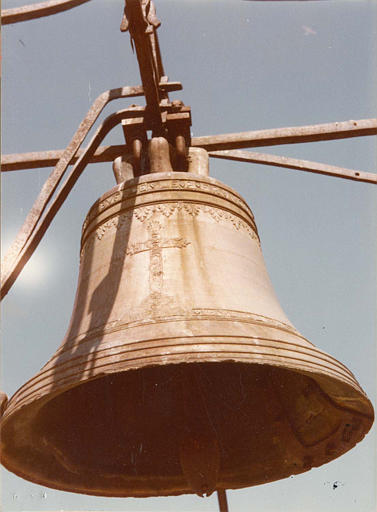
289	135
293	163
222	500
148	66
257	138
40	159
38	220
39	10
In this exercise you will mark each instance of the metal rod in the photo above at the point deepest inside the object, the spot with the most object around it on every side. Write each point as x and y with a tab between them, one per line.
23	247
257	138
288	135
146	59
298	165
14	261
223	502
52	182
40	159
58	172
33	11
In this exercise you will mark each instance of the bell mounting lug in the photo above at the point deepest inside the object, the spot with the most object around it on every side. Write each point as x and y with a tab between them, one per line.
175	128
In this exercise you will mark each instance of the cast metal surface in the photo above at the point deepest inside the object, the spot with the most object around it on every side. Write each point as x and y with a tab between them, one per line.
179	372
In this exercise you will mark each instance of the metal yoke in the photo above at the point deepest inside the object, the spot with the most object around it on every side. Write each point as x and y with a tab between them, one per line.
164	119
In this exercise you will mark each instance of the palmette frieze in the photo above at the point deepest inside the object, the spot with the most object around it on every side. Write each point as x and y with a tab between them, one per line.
146	213
163	185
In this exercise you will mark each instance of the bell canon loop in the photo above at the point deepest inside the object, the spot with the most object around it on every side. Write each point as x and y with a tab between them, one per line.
179	372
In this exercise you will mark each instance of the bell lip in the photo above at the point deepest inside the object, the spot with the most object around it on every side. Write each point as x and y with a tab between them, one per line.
268	344
222	357
368	422
111	494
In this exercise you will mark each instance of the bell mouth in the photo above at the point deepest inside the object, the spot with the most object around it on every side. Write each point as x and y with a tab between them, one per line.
152	431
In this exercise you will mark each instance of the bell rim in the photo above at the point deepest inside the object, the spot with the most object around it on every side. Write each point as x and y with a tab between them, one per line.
168	490
18	401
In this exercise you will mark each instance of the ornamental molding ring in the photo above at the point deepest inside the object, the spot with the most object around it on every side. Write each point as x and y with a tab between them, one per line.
195	314
167	210
126	190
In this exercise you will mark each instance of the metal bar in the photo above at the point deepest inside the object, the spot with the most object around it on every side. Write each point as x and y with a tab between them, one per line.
289	135
40	159
257	138
65	159
157	52
157	63
57	174
19	253
145	57
86	124
293	163
33	11
223	502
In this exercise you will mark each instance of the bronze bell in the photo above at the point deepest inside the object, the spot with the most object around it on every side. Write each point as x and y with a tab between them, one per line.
179	372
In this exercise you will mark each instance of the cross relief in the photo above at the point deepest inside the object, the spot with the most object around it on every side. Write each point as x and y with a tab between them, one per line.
155	245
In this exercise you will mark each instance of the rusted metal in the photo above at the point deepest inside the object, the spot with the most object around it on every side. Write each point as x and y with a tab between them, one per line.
222	500
135	134
141	21
256	138
65	159
296	164
288	135
3	402
179	135
41	159
39	10
179	372
31	233
136	138
176	122
38	159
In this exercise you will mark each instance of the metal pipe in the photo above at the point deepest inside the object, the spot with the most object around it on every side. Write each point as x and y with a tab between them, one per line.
33	11
223	502
257	138
294	163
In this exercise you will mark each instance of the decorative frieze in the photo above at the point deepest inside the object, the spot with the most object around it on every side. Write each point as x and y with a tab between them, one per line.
125	192
168	209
